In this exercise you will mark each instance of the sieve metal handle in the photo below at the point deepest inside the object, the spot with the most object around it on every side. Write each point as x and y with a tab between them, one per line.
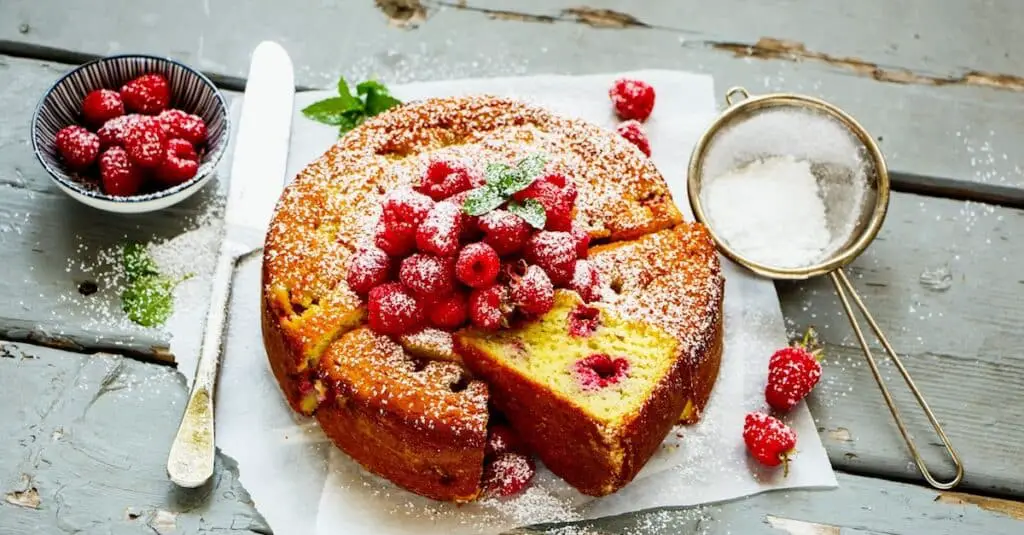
842	284
731	96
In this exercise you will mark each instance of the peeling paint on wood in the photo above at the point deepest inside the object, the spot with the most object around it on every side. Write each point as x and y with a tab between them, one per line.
840	433
403	13
28	496
603	18
799	527
498	14
788	50
1008	508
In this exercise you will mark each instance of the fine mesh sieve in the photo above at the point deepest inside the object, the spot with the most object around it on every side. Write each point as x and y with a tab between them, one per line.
853	187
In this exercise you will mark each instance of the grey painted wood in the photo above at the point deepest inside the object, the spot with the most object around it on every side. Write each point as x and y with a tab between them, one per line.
945	138
84	441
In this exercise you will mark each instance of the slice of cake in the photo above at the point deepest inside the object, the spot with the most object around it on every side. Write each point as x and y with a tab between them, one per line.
591	392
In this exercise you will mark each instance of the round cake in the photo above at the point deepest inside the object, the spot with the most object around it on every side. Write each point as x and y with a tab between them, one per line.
412	408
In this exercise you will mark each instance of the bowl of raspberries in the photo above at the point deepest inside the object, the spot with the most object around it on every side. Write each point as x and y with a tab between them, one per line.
131	133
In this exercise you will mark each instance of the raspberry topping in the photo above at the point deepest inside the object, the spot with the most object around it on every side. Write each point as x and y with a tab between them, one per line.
504	231
369	267
477	265
554	252
395	242
78	146
582	238
556	200
584	320
487	306
180	163
403	210
508	474
119	176
101	105
440	230
393	310
501	439
633	99
427	276
179	124
599	371
149	94
145	142
449	312
634	133
443	179
533	293
586	281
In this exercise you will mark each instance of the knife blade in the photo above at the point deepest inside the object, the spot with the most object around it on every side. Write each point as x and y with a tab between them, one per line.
256	181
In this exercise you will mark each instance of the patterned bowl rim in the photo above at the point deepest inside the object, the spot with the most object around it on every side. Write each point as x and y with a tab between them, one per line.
210	165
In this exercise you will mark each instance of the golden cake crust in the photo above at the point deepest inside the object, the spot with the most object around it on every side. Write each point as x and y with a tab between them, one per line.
311	318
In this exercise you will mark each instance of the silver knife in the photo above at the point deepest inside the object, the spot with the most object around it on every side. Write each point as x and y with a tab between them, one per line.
257	179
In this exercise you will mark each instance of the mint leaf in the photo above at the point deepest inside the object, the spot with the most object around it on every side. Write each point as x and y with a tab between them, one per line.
378	102
482	200
371	86
531	211
350	120
343	89
332	110
532	165
494	171
137	262
148	300
512	181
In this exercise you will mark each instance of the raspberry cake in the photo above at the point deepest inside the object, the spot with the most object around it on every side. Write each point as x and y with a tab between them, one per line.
488	218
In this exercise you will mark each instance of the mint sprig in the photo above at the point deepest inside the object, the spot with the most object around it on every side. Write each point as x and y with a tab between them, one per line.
149	297
503	181
347	111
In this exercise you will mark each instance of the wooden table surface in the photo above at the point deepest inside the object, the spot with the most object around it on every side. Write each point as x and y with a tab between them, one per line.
940	86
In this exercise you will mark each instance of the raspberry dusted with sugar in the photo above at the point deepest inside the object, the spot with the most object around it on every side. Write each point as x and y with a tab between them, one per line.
180	163
145	142
599	371
633	99
404	210
119	176
78	146
634	133
427	276
449	312
477	265
488	307
182	149
179	124
557	200
101	105
768	440
582	238
504	231
533	293
501	439
393	310
443	180
149	94
508	474
584	320
586	281
439	232
554	252
369	267
395	242
112	131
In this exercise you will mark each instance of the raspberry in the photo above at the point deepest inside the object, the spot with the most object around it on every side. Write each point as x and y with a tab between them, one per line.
554	252
402	212
78	146
427	276
112	131
557	200
599	370
533	292
179	124
180	163
792	373
508	474
634	133
101	105
477	265
633	99
449	312
440	230
393	310
584	321
149	94
582	238
586	281
397	243
501	439
442	180
768	440
145	142
488	306
369	267
119	176
504	231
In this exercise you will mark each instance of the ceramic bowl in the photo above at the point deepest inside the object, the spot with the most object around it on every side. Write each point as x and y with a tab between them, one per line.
61	105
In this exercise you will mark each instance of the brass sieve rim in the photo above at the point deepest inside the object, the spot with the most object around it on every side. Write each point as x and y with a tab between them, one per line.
740	108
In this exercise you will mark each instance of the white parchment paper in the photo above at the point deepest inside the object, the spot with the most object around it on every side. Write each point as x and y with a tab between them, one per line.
303	485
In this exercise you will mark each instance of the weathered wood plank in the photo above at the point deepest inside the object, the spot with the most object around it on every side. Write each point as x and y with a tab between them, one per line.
84	442
944	282
950	138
